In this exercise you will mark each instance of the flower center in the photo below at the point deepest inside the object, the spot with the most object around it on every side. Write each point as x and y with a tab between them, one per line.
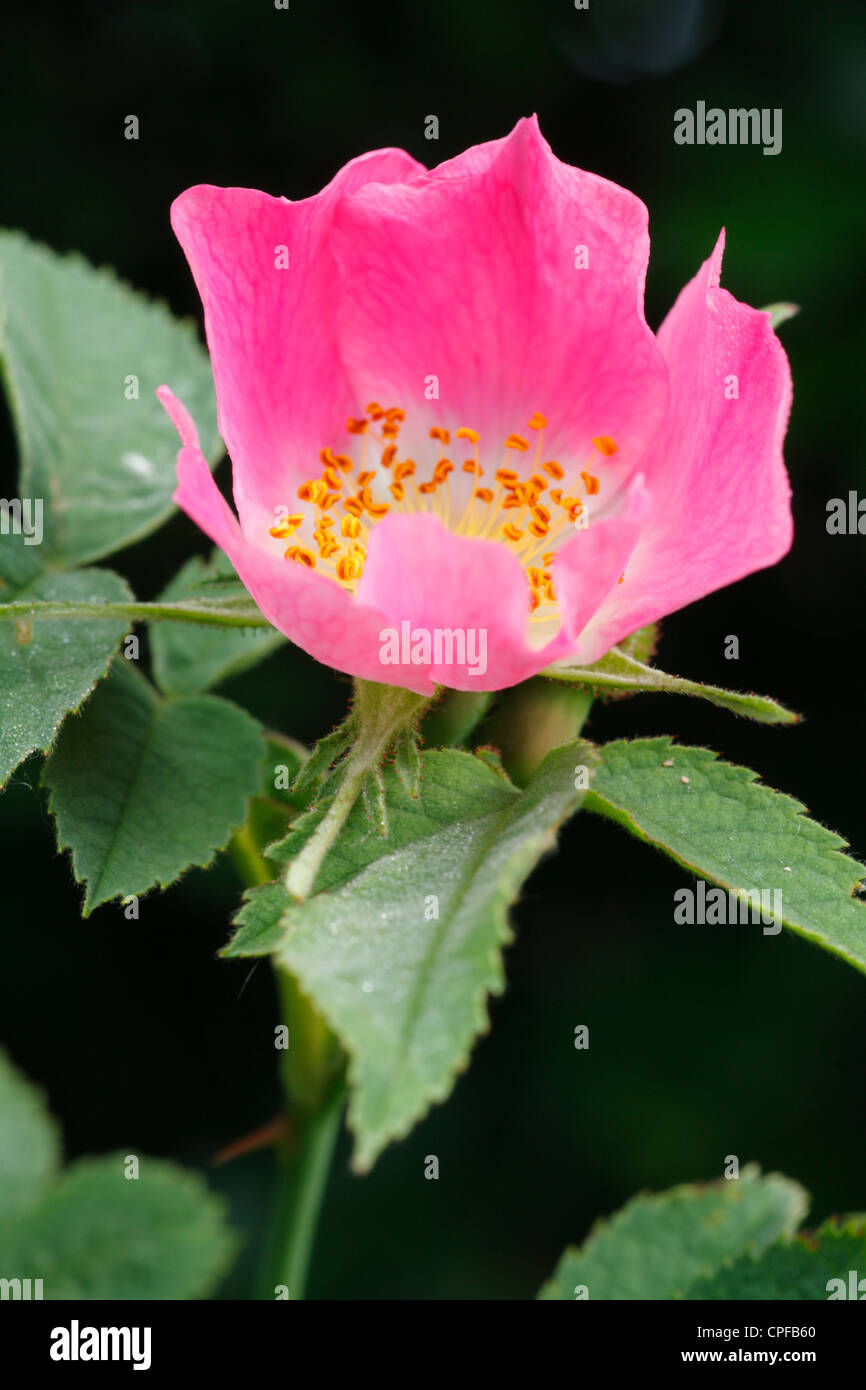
530	507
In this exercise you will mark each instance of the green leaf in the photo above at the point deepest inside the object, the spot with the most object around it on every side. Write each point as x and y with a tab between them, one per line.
29	1142
93	1231
717	821
799	1268
781	312
47	668
401	944
143	787
101	1235
185	662
70	338
620	673
658	1244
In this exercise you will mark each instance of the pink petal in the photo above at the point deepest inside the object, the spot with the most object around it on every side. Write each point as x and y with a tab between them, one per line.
468	274
419	572
721	497
282	392
314	612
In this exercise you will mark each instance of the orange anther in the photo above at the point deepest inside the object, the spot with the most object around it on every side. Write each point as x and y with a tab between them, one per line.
605	445
350	527
516	441
472	435
553	468
287	526
483	494
590	483
538	421
442	435
356	426
388	455
512	532
301	556
312	491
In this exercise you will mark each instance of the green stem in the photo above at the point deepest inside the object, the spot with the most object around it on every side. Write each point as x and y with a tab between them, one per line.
301	1187
312	1065
248	861
533	718
380	712
240	612
311	1077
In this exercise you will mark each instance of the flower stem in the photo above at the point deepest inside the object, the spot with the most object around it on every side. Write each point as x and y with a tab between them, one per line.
379	712
304	1169
314	1093
227	612
533	718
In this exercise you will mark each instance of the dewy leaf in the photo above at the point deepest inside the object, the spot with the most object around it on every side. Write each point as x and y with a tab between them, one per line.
29	1142
823	1266
658	1244
82	355
402	943
186	661
717	821
144	787
101	1235
47	666
620	673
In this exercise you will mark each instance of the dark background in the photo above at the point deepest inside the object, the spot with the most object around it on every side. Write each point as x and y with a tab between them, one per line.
705	1041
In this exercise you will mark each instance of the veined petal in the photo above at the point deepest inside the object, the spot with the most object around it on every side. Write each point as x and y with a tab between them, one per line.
721	497
464	281
267	279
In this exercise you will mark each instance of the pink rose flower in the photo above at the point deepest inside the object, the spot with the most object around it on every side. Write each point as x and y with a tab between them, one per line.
447	414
